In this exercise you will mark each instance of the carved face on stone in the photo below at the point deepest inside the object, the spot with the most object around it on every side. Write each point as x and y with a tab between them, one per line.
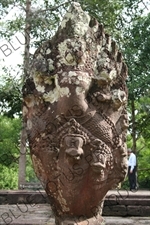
75	111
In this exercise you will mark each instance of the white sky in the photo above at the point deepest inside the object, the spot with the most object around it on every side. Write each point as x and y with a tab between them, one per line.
10	51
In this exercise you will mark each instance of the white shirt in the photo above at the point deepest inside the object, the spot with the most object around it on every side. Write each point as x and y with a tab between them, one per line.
132	161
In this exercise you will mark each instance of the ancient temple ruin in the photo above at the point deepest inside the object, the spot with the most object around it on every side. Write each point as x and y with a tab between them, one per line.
75	111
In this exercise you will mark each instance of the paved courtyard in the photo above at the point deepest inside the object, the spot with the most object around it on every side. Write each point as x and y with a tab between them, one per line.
40	214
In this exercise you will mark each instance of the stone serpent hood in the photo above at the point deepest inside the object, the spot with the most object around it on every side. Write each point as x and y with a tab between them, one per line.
75	111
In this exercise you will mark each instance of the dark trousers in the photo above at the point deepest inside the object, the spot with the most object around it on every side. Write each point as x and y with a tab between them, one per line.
132	178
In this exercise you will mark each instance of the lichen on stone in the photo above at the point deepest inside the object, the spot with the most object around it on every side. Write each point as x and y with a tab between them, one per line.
79	20
57	92
80	90
77	90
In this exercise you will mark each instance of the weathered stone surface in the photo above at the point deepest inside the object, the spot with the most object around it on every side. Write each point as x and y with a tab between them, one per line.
3	199
115	210
75	111
138	210
42	215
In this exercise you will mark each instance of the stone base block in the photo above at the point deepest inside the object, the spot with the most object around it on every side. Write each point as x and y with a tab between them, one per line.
91	221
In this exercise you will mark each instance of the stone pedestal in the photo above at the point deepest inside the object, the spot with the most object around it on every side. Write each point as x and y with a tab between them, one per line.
82	221
75	111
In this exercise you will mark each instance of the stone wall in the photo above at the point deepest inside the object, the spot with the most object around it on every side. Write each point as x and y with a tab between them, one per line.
117	203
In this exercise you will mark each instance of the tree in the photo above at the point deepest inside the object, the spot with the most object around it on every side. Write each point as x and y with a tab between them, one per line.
10	96
137	56
9	151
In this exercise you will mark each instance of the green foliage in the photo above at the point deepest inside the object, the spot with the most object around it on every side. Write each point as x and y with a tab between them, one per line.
9	135
8	177
106	12
143	165
10	95
144	168
43	19
9	151
10	129
137	54
30	174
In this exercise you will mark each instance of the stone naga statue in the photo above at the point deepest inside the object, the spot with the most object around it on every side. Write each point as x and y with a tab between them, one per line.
75	112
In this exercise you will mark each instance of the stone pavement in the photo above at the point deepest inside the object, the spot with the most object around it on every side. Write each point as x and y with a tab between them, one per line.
127	220
40	214
127	193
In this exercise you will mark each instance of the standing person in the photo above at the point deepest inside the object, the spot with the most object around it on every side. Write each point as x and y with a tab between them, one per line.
132	170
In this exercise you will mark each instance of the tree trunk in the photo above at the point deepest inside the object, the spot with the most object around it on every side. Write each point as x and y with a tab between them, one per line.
27	39
22	159
133	121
